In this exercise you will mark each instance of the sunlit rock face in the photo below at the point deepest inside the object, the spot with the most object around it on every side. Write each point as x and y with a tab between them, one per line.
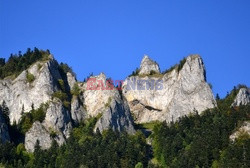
108	104
166	97
148	66
20	95
244	129
37	134
242	98
57	125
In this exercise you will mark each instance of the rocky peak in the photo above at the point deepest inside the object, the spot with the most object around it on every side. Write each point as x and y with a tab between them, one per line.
243	97
174	94
148	65
195	65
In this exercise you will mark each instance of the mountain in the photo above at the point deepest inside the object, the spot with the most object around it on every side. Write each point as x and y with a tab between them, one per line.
155	96
153	119
50	91
148	95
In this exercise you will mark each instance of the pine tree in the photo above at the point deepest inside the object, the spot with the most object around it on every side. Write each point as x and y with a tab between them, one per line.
6	112
217	97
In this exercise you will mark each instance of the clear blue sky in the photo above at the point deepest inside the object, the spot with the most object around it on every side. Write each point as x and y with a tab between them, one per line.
112	36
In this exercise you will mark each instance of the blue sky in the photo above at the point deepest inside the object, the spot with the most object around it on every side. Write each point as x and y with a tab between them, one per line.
112	36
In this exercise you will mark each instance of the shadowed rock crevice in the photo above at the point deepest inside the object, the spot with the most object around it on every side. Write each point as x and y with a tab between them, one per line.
136	102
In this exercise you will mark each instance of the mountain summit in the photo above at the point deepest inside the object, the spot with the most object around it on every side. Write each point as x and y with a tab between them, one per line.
148	66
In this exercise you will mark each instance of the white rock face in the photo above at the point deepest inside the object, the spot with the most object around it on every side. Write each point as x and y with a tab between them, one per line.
57	121
37	133
78	112
117	117
148	65
4	133
242	98
19	94
244	129
115	113
71	79
170	96
58	118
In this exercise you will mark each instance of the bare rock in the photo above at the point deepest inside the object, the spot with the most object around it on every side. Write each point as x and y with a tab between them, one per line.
166	97
117	117
148	66
37	133
108	103
58	119
20	95
242	98
71	78
78	111
57	125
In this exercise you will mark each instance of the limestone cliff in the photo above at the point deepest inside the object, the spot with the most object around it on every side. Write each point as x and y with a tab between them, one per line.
20	94
242	98
46	80
108	103
150	96
166	97
148	66
56	125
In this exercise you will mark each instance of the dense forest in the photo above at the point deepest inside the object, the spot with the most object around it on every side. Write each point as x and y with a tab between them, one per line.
20	62
203	140
197	140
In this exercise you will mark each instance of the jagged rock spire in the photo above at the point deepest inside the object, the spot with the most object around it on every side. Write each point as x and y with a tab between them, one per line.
242	98
148	65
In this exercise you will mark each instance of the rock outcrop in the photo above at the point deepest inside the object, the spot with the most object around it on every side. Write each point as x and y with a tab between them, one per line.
78	111
166	97
242	98
4	133
108	103
20	95
116	116
148	66
37	134
56	125
244	129
71	79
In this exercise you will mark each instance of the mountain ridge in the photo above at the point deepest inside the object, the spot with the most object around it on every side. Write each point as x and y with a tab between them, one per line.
69	102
